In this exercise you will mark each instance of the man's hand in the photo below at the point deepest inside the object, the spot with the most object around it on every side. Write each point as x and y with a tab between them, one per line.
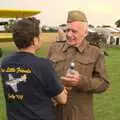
71	80
57	103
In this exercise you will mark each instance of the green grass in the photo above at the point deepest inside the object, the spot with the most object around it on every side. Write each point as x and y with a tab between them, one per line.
107	105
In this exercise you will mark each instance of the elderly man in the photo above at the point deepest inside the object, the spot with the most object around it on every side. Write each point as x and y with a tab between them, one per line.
90	74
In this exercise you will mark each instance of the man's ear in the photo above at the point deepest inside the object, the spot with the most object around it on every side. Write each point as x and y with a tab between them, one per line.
86	30
86	33
35	41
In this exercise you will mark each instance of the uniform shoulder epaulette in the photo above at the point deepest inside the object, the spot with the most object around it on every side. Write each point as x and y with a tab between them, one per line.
101	52
57	45
59	41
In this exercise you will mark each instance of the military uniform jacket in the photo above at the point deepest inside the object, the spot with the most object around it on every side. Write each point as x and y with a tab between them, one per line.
90	63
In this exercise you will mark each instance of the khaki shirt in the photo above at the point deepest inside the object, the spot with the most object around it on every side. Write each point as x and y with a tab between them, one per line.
90	63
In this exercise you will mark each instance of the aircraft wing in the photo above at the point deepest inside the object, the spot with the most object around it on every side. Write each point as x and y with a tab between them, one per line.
12	13
5	37
14	87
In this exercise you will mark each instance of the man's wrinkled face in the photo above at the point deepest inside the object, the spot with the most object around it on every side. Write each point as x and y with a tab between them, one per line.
76	32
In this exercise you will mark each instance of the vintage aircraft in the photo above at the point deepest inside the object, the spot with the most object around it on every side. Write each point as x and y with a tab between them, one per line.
14	81
12	13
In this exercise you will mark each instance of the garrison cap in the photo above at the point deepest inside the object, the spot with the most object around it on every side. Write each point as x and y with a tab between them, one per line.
76	15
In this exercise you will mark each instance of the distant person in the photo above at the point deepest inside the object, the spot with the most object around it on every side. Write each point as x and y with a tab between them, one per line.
29	81
61	33
112	40
1	52
82	67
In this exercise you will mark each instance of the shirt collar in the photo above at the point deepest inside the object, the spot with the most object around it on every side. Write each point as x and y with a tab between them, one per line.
80	47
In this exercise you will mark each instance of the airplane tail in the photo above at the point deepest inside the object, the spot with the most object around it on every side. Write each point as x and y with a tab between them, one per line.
24	77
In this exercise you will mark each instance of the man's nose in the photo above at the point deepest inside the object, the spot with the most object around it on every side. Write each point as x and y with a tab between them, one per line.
69	33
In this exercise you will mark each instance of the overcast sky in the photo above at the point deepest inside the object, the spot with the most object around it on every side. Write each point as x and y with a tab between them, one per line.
54	12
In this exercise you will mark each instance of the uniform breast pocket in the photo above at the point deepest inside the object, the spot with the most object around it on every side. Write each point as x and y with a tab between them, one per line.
85	65
58	64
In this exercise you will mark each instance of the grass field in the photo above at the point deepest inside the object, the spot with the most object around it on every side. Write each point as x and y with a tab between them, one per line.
107	105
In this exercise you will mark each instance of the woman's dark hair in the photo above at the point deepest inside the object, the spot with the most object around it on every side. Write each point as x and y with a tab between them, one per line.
24	31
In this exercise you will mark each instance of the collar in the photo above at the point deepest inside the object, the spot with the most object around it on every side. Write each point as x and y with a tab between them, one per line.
79	47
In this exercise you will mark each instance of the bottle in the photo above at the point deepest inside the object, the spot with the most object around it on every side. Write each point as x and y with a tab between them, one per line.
71	68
